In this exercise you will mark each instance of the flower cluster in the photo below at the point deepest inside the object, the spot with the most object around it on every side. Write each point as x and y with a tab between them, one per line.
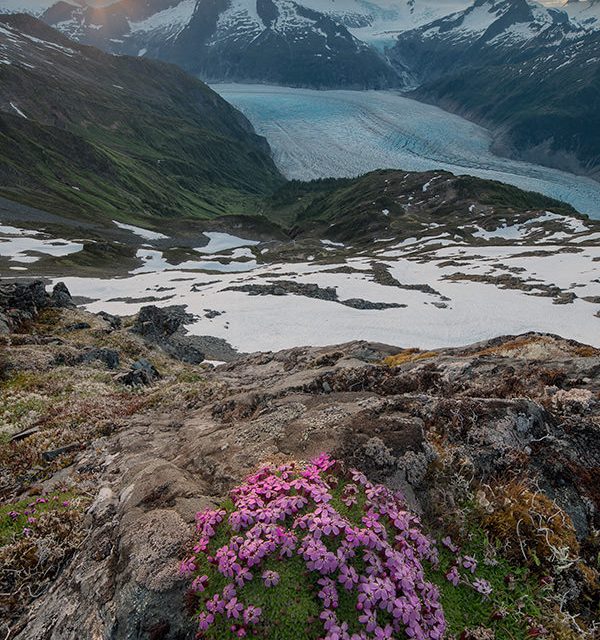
25	516
355	539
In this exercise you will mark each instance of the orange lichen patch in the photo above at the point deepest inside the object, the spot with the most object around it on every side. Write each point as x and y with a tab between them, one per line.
530	526
408	355
538	347
586	351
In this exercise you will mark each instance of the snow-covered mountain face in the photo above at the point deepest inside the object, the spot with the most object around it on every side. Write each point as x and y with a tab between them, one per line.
488	32
585	12
379	22
33	7
502	23
371	21
529	72
279	41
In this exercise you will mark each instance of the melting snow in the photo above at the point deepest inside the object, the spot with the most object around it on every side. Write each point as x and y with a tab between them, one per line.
143	233
218	241
16	244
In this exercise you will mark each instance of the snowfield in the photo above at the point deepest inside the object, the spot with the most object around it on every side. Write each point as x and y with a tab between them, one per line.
474	293
25	245
317	134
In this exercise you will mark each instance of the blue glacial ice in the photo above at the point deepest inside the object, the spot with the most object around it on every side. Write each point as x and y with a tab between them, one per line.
317	134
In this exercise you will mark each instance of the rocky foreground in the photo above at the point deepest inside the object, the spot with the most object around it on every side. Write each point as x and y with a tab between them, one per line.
101	416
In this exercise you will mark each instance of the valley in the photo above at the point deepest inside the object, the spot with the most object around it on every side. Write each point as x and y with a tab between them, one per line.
320	134
436	250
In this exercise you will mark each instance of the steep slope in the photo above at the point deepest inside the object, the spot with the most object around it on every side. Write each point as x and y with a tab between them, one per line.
513	421
278	41
530	73
89	134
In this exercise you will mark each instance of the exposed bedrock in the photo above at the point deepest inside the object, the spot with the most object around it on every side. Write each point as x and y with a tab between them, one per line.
511	409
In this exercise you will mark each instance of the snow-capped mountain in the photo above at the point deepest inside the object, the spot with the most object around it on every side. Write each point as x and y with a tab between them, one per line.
33	7
488	32
378	22
278	41
585	12
529	72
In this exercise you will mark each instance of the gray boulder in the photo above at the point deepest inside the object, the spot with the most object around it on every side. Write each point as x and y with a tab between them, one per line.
61	297
109	357
165	328
142	373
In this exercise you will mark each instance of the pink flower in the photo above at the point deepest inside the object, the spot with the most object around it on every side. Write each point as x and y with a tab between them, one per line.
453	576
447	542
482	586
215	604
187	566
288	513
271	578
205	620
369	619
234	609
469	563
252	614
199	584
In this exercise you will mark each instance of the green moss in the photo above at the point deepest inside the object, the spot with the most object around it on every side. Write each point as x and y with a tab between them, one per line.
517	597
291	609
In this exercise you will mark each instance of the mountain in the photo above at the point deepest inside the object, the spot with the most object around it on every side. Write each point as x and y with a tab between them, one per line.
88	134
529	73
380	21
277	41
33	7
585	12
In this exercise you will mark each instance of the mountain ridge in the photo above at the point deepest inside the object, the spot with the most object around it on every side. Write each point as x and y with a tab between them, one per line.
279	41
134	137
545	64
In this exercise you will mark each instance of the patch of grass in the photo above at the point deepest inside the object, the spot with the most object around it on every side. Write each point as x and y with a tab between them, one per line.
408	355
510	609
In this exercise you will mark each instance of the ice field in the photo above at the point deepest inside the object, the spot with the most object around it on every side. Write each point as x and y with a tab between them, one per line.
317	134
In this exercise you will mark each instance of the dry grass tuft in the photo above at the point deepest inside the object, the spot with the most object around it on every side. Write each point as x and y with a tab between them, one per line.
531	527
408	355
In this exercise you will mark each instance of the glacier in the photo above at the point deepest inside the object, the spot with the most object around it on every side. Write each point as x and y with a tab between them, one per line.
319	134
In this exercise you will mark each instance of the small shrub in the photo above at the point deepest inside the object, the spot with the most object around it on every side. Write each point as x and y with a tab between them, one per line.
37	537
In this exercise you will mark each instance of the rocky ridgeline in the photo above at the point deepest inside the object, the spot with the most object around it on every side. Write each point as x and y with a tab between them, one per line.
501	436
